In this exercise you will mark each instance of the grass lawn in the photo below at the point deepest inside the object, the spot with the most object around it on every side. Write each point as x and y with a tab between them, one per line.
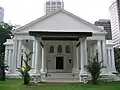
16	84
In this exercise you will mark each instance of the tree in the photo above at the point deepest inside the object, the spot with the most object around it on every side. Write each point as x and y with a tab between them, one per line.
3	67
117	58
94	66
5	33
24	70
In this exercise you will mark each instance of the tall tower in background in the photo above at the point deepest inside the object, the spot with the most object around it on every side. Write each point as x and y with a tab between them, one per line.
115	21
1	14
52	5
105	23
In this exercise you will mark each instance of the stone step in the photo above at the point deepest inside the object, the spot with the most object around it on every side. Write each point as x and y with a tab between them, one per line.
65	80
60	75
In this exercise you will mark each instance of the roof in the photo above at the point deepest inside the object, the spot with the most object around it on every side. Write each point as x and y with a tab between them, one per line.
57	11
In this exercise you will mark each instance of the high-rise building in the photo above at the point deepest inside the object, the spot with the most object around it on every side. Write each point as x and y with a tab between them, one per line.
52	5
1	14
105	23
115	21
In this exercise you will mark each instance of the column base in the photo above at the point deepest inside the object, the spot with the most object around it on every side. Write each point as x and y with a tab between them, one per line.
104	71
43	71
36	72
43	74
75	71
83	72
10	75
83	76
112	70
32	71
108	71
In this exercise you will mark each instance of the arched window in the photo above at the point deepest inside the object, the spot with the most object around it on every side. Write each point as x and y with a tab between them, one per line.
67	49
59	49
51	50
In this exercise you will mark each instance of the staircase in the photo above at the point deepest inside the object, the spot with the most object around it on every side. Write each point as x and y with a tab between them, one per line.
61	77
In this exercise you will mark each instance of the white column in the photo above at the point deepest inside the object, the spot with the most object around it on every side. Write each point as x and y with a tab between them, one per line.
23	53
91	51
6	55
85	51
43	68
79	56
94	49
113	60
37	56
14	64
99	50
82	57
19	53
104	53
75	59
109	59
33	56
9	60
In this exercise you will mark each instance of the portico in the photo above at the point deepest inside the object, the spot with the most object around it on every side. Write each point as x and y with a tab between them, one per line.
63	58
60	49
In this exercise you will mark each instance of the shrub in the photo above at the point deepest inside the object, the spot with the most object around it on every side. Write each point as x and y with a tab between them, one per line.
94	66
117	58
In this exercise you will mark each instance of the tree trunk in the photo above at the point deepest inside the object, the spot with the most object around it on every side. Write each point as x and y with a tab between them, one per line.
2	74
26	79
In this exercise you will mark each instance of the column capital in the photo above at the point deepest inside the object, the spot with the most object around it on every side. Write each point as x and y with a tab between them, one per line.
82	39
14	39
39	39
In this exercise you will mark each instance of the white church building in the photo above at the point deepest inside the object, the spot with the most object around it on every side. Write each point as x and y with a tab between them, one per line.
62	44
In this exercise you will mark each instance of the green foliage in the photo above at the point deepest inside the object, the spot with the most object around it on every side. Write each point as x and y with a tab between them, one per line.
5	33
24	70
94	68
117	58
3	67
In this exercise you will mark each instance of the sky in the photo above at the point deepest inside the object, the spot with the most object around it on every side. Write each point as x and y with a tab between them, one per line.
21	12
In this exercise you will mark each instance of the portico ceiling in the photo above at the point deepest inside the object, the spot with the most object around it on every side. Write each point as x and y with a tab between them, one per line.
60	35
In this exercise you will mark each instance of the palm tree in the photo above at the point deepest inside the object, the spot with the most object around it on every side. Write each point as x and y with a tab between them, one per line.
24	70
94	68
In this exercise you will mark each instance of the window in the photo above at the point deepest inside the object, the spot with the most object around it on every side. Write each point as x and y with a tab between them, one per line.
59	49
51	50
67	49
58	6
47	3
58	3
53	3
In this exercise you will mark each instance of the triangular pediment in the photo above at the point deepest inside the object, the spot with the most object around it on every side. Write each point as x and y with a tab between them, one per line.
60	20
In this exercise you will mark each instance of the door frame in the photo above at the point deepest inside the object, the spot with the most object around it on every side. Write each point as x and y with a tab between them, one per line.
62	62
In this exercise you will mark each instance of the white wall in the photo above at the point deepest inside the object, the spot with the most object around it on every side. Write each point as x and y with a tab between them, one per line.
52	56
60	21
